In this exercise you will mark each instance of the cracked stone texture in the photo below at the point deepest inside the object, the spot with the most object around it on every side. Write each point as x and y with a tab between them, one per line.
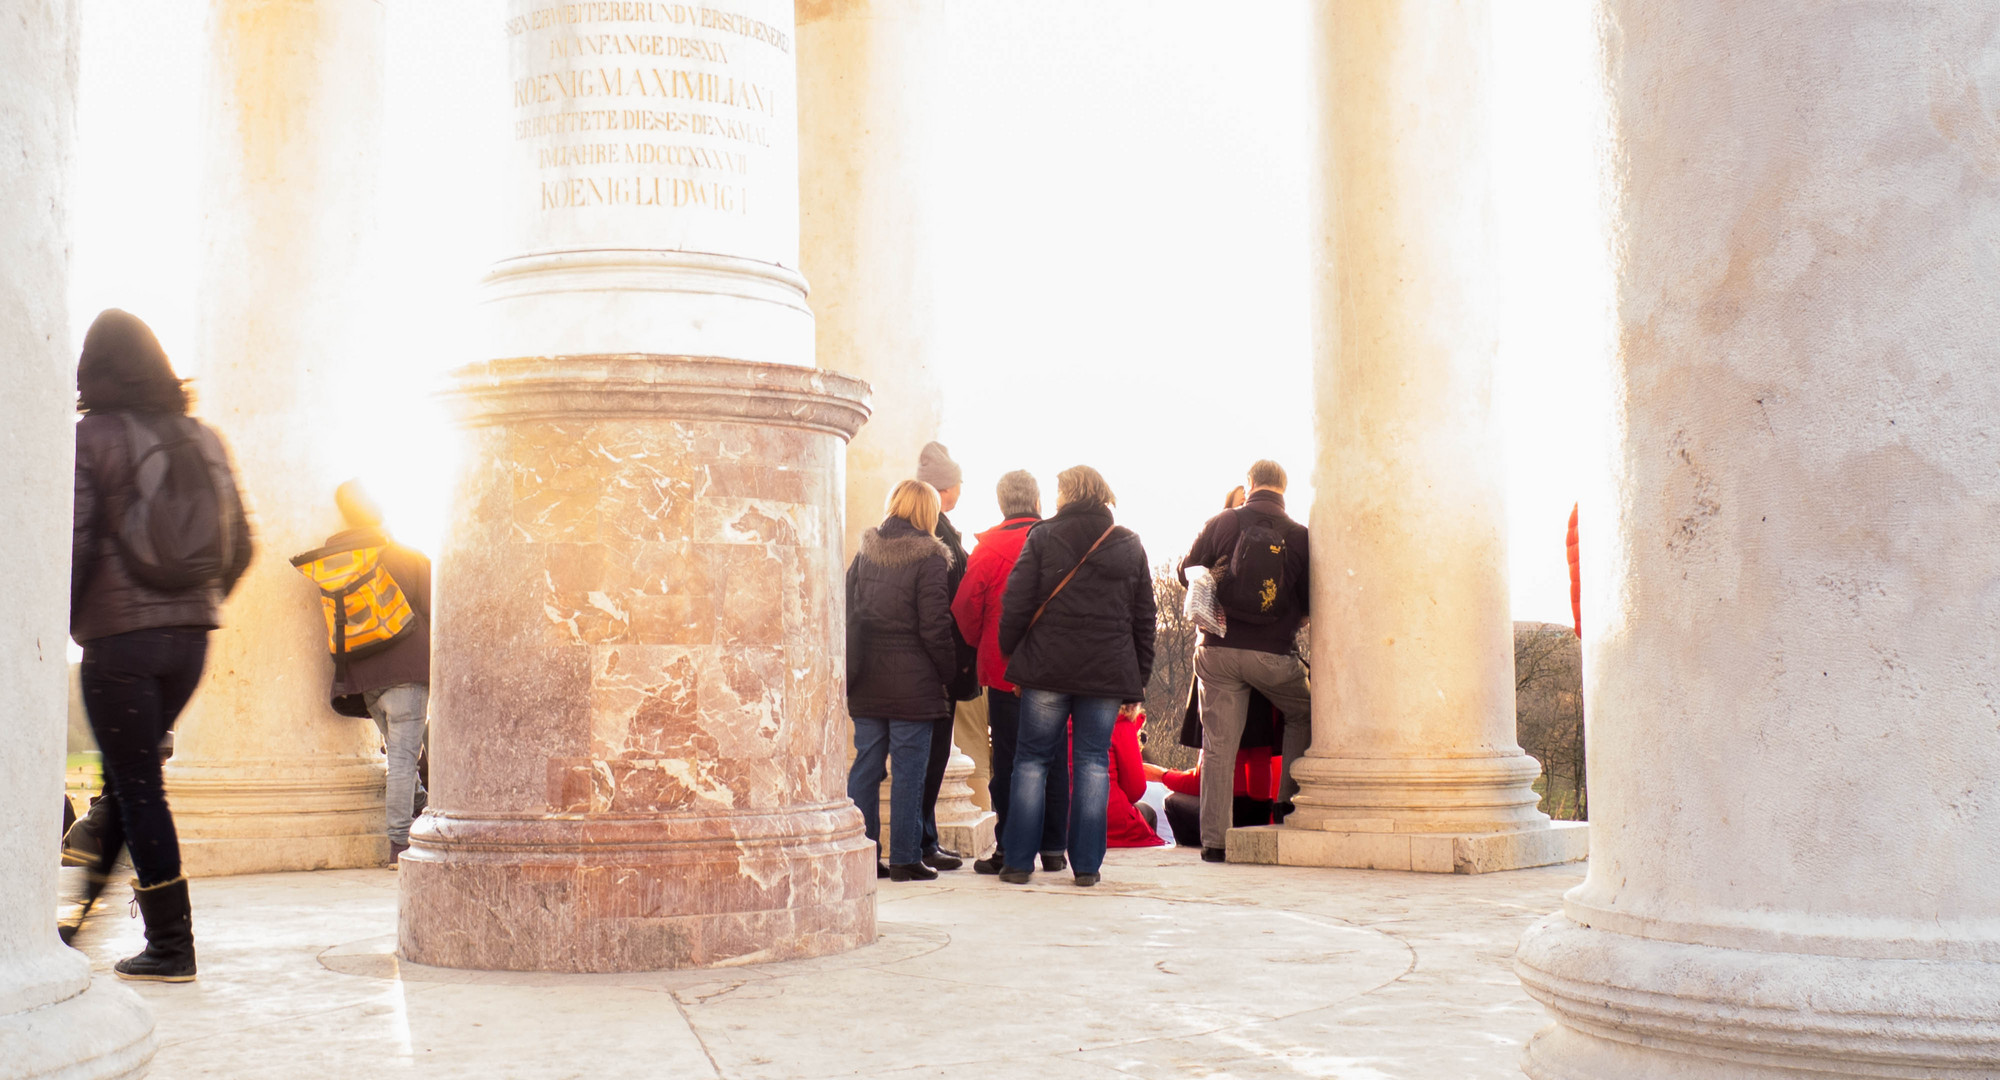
1170	968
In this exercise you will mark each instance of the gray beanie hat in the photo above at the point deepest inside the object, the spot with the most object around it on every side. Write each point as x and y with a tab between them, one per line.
936	468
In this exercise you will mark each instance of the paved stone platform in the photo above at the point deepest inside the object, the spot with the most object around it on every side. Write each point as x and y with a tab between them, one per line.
1171	968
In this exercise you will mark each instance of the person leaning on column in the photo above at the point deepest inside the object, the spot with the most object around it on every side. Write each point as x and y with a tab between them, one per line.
936	468
160	538
388	677
1265	594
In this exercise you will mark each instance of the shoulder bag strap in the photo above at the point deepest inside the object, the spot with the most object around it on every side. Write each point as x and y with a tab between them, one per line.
1072	573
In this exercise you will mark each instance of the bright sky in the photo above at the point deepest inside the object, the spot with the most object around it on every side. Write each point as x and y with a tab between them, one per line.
1123	280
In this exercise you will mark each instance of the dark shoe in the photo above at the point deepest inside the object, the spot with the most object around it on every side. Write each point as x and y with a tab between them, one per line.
169	955
881	871
1214	854
915	871
1086	880
1053	861
1017	877
943	860
396	852
992	864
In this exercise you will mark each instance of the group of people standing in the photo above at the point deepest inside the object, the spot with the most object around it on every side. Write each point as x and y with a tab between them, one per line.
1058	616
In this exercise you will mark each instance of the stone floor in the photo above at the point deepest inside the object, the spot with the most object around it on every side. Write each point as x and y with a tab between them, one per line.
1170	968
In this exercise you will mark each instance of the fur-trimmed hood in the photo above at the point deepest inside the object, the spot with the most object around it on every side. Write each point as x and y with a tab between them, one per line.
896	542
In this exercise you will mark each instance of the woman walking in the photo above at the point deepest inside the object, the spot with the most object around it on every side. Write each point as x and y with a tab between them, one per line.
160	538
1077	622
900	655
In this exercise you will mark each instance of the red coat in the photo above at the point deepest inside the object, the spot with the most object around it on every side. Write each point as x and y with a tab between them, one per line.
1123	827
1257	773
977	605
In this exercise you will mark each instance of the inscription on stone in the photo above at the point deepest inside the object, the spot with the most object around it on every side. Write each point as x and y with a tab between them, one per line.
649	105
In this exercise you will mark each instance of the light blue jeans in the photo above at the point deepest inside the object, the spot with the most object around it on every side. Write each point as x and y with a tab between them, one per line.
399	713
1045	718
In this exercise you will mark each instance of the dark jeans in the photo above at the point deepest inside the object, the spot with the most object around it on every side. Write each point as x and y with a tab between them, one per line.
1003	719
1046	717
876	742
940	756
134	687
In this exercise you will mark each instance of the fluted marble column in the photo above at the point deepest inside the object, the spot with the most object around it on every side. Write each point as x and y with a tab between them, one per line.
639	746
1414	765
265	776
1791	676
55	1019
866	88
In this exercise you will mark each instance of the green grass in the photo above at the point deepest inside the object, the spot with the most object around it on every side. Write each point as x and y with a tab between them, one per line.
1562	803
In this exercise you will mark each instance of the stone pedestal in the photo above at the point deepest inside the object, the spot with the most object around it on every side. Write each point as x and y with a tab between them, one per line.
1790	667
866	88
265	776
55	1019
963	825
1413	764
638	706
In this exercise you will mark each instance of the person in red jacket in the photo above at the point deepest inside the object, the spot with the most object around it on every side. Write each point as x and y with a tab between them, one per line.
977	610
1125	822
1254	789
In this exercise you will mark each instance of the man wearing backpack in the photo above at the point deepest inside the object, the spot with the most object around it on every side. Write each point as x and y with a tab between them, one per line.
1260	558
160	537
380	641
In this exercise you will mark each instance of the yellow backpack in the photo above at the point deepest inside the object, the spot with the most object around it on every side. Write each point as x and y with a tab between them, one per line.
365	609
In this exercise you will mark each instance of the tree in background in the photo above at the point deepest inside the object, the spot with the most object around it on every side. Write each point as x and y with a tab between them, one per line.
1548	714
1173	673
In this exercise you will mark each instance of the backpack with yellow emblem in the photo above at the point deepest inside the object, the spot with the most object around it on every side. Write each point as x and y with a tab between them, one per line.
1252	585
366	611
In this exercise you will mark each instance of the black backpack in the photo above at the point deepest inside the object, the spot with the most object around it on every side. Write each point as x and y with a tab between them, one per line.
177	531
1252	585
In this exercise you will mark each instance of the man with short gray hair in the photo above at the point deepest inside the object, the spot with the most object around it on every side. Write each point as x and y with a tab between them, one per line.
1259	557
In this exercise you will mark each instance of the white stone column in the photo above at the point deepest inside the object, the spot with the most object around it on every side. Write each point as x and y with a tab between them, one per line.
265	776
866	87
55	1019
1414	765
639	737
1793	665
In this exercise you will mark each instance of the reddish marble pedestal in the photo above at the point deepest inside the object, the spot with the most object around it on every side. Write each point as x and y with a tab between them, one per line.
639	747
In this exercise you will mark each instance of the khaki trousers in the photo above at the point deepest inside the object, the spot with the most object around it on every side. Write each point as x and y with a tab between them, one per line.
1227	676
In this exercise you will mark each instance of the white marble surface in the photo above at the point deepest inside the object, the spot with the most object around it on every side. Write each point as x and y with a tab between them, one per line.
1171	968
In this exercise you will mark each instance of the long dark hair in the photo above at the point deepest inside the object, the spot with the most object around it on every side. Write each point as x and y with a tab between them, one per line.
123	367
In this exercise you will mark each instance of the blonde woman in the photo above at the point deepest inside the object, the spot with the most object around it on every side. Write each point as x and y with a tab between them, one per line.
1076	623
900	655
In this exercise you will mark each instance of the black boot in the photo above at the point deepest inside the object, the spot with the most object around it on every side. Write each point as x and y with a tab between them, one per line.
169	955
992	864
1053	861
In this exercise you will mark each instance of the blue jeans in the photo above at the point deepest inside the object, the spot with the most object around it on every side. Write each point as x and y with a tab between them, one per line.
1043	723
876	742
399	714
1003	720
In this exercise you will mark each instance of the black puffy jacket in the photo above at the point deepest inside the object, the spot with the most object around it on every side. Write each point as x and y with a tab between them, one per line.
900	651
1096	638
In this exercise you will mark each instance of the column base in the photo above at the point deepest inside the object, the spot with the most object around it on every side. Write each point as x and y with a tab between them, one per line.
1635	1008
103	1033
269	816
635	894
971	837
1435	853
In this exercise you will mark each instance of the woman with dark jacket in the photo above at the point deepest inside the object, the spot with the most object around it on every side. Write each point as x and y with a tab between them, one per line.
1077	623
142	602
900	655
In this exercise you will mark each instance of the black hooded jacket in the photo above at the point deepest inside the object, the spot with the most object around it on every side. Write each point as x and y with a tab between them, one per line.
1096	636
900	648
